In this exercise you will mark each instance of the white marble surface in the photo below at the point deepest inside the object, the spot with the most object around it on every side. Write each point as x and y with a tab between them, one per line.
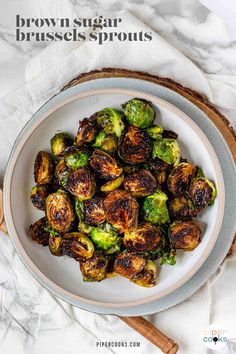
32	321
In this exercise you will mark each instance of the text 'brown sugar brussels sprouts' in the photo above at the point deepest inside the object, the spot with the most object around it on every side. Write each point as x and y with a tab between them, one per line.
185	235
180	178
60	142
38	233
104	165
81	183
135	145
139	112
121	210
59	211
43	168
140	183
202	192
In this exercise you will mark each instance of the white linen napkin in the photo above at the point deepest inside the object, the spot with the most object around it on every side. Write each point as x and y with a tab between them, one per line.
41	323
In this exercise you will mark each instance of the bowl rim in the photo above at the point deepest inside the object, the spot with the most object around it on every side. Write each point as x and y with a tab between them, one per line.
43	113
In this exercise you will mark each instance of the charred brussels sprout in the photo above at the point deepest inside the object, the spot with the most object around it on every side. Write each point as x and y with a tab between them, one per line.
86	132
155	209
60	142
121	210
94	269
43	168
76	157
166	150
105	238
135	145
181	206
59	211
111	121
94	213
155	131
129	264
81	183
104	165
202	192
106	142
81	246
38	233
140	183
148	276
61	173
139	112
146	237
113	184
180	178
55	244
185	235
39	195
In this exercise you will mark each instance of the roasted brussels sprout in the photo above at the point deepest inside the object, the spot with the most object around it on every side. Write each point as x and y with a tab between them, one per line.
106	142
158	165
155	209
148	276
202	192
94	213
43	168
104	165
38	233
81	183
55	243
181	206
135	145
166	150
105	238
180	178
76	157
121	210
81	246
139	112
59	211
39	195
113	184
60	142
85	228
61	173
146	237
94	269
185	235
129	264
111	121
86	132
140	183
169	134
155	131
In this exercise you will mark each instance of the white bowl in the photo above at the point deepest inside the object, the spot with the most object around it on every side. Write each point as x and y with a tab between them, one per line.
61	275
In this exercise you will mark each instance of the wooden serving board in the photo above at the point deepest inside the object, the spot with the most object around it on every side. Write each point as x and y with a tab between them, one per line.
201	101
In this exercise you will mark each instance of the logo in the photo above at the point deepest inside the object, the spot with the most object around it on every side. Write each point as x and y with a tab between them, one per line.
215	336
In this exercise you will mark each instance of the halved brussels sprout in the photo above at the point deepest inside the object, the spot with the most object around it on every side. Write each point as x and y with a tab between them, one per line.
181	206
59	211
161	177
38	233
39	195
202	192
111	121
140	183
129	264
60	142
81	183
180	178
94	269
55	243
104	165
158	165
62	173
167	150
86	132
139	112
105	238
94	213
135	145
155	209
76	157
106	142
43	168
185	235
148	276
81	246
121	210
145	237
113	184
155	131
